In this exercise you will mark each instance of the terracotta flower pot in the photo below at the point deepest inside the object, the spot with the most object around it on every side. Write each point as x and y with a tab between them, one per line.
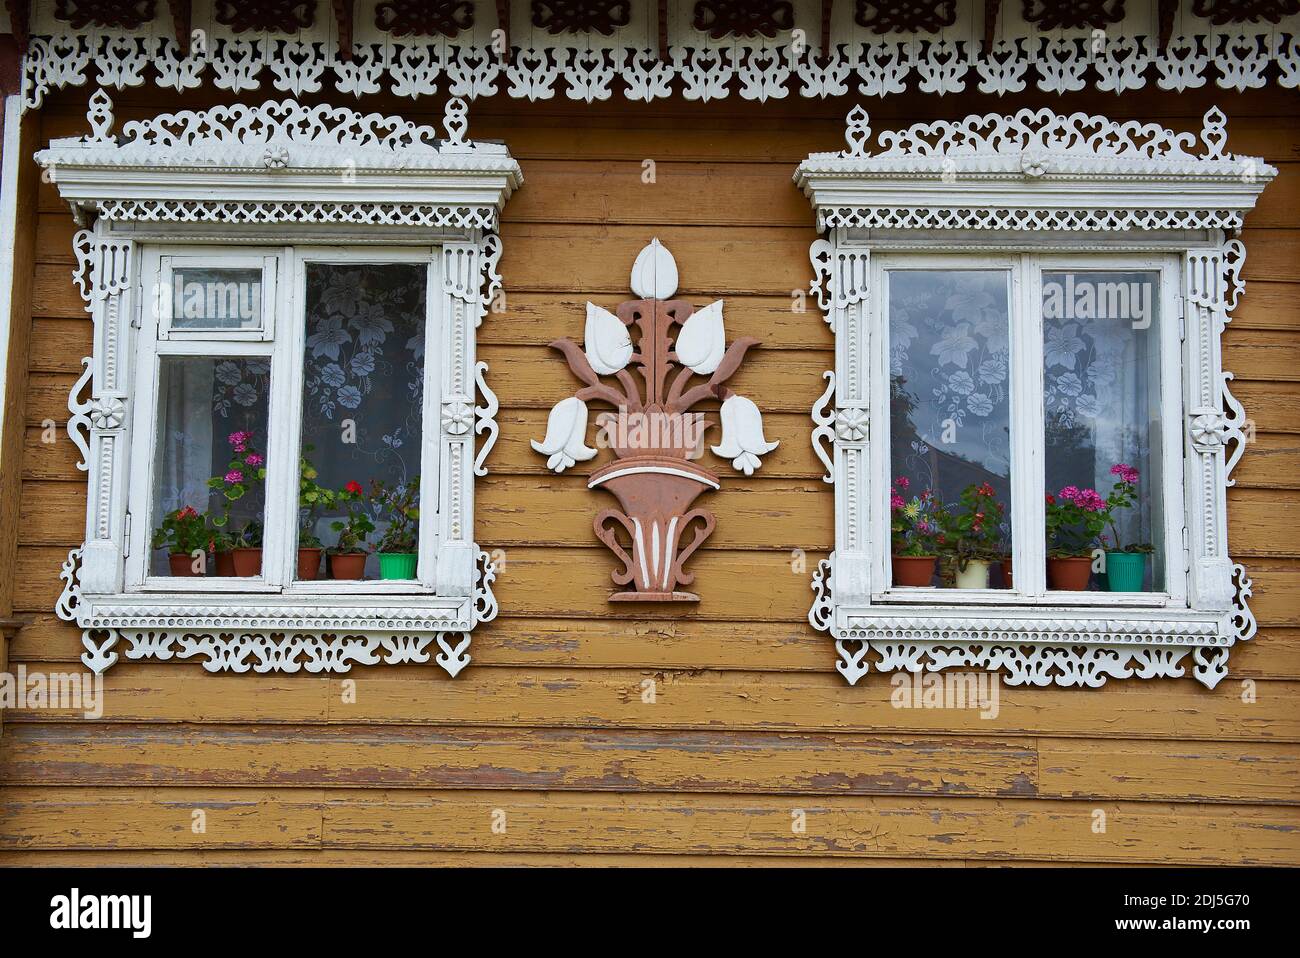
656	493
182	563
1069	574
348	565
225	564
248	562
913	570
309	563
1007	582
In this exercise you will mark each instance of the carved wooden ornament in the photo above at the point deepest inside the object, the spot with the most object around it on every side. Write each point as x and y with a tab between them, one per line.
653	433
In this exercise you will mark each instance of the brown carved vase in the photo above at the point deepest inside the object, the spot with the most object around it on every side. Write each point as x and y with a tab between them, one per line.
656	495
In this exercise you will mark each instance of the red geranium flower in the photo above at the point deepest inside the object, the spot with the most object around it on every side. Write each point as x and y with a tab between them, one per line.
354	487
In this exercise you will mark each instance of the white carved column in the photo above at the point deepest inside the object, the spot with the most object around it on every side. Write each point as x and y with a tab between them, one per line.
1208	430
850	269
104	276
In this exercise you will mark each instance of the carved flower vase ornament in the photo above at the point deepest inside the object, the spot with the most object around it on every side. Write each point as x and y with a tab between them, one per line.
654	434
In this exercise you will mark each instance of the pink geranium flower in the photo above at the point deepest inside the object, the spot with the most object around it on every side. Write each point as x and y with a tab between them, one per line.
234	476
1125	472
253	459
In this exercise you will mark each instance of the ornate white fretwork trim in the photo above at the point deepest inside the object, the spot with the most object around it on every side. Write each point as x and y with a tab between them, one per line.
238	638
1127	57
1022	174
281	162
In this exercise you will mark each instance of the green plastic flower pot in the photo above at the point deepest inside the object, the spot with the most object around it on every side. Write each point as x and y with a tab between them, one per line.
1125	571
397	565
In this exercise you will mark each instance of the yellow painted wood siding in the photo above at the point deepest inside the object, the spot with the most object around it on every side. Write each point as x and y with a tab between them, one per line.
750	722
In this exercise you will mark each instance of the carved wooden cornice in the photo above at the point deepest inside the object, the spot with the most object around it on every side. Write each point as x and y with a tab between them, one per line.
1222	12
581	16
1070	14
905	16
279	16
424	18
743	18
126	14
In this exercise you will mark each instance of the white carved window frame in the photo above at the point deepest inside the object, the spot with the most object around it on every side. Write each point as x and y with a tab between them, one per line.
1035	183
290	180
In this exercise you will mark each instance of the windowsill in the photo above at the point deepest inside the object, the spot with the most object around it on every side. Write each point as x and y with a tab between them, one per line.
1031	623
990	597
320	609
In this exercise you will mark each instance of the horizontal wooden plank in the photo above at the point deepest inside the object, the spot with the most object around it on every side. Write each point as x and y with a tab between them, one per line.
1262	354
673	645
701	699
1182	771
1268	304
840	826
767	586
514	759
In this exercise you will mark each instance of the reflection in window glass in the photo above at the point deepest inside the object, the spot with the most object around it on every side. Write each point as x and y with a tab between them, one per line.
225	298
1102	405
212	430
950	421
363	389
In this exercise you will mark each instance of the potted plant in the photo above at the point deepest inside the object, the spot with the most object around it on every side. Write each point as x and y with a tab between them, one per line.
311	498
184	533
1126	565
246	468
347	557
397	547
1075	518
912	530
248	550
222	546
973	535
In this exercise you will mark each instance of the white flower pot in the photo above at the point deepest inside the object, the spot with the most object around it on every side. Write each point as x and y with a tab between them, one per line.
976	575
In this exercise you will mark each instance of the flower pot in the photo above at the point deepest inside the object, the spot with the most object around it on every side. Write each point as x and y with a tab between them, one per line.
1007	582
397	565
975	575
225	563
248	562
913	570
656	494
1070	574
309	563
348	565
1126	571
182	563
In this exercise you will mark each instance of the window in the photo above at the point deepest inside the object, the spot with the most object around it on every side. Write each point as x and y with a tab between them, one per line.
1005	457
1028	425
327	498
283	415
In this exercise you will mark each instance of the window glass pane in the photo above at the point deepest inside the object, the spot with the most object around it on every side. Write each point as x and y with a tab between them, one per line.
950	438
210	458
210	298
1101	353
363	389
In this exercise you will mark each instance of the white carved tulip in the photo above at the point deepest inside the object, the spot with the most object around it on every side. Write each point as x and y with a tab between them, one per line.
607	342
654	274
742	435
702	340
566	430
